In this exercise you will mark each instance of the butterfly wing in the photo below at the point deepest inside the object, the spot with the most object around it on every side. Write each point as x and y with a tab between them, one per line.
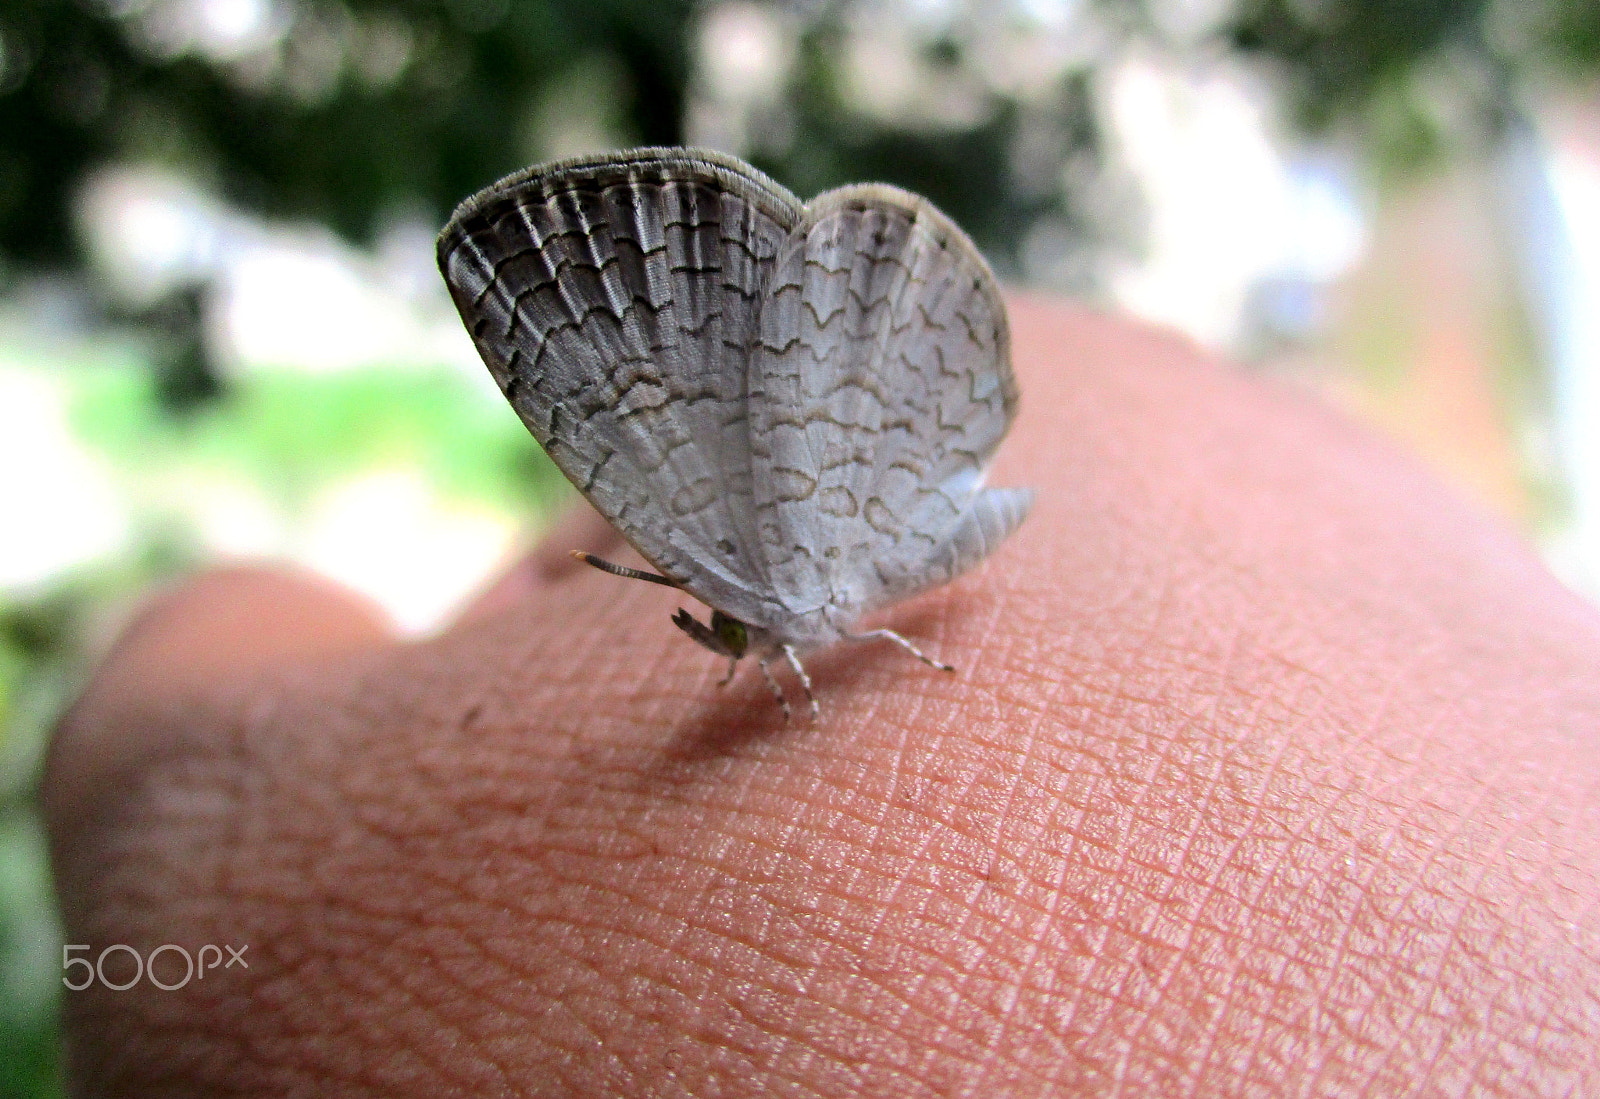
880	389
615	301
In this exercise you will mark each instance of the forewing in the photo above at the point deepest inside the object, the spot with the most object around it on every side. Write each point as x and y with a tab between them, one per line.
881	387
615	301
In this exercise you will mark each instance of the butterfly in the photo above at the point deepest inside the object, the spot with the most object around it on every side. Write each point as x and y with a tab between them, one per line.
787	408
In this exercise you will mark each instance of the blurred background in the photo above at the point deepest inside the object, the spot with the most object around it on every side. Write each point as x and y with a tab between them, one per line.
222	333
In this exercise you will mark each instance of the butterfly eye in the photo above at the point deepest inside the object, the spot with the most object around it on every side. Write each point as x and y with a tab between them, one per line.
731	632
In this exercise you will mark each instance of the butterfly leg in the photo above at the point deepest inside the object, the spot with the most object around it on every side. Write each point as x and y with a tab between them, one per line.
733	666
805	681
903	643
777	691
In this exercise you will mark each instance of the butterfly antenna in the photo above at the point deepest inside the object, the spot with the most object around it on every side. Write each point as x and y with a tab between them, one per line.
621	570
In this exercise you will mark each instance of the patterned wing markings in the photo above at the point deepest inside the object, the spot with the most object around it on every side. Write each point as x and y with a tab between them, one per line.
616	303
880	388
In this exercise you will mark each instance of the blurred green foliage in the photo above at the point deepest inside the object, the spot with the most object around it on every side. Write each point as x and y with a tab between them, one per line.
368	105
293	434
28	938
1419	78
968	169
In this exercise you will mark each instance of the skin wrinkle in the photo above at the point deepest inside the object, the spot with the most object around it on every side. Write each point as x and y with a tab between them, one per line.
1055	895
1463	909
1539	1022
394	984
1366	889
1224	864
1071	1010
1208	888
1007	979
797	1035
1321	968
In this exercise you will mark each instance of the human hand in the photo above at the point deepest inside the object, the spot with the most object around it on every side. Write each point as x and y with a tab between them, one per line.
1269	768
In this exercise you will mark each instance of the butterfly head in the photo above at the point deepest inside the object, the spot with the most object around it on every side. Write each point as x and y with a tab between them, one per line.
731	632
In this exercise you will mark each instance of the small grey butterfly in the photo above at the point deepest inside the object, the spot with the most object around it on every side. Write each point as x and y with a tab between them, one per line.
786	407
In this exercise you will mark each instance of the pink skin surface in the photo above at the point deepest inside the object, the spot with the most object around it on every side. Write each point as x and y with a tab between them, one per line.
1269	768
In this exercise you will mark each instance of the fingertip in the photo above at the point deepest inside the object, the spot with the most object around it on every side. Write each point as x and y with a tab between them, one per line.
232	620
222	624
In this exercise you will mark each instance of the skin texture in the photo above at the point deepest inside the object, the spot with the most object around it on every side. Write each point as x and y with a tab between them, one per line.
1269	769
